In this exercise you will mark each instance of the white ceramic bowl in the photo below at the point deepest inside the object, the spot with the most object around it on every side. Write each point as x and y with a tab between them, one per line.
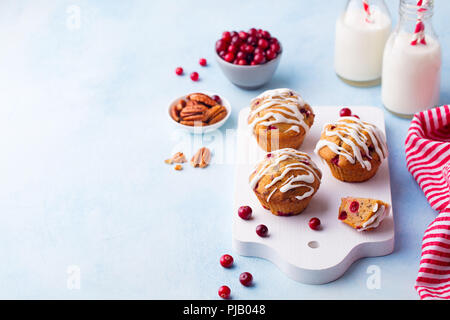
249	77
205	129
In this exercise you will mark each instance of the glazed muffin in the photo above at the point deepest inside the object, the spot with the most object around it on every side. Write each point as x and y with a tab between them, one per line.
353	149
285	181
280	119
363	213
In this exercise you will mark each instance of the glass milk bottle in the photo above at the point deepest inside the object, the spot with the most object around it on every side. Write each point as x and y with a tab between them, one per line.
412	61
361	34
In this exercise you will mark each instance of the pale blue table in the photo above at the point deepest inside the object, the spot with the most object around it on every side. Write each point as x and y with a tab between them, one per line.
84	133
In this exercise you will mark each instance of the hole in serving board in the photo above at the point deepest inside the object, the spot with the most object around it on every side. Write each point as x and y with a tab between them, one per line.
313	244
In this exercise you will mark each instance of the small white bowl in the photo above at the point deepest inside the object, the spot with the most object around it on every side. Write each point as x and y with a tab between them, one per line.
205	129
249	77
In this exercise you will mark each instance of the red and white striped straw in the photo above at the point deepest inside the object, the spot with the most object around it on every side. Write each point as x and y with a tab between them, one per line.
367	10
419	32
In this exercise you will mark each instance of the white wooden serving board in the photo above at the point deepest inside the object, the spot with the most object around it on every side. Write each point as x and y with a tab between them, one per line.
305	255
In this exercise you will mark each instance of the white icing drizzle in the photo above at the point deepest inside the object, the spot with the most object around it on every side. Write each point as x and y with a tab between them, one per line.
376	219
355	130
295	181
294	128
276	100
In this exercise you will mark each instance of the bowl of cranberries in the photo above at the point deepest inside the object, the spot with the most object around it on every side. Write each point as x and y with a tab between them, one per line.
248	58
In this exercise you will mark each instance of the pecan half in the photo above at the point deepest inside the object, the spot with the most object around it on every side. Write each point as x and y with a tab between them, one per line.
179	158
193	110
203	98
174	113
202	158
218	117
214	111
180	105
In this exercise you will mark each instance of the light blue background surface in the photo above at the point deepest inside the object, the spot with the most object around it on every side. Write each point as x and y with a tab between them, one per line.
84	134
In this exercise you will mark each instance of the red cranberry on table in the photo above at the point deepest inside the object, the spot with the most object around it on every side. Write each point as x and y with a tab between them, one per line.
179	71
261	230
246	279
245	212
202	62
226	261
345	112
194	76
224	292
314	223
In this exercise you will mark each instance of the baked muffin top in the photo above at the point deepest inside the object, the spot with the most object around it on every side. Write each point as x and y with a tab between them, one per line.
349	141
281	109
286	174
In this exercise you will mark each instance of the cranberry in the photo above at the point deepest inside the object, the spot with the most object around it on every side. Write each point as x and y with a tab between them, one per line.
258	58
253	63
266	34
179	71
232	48
268	156
242	62
342	215
229	57
248	48
226	261
226	36
335	160
246	279
274	40
194	76
270	55
275	47
271	127
224	292
263	43
202	62
356	116
233	33
354	206
236	40
314	223
221	45
243	35
345	112
259	51
241	55
217	99
252	32
261	230
252	40
222	54
245	212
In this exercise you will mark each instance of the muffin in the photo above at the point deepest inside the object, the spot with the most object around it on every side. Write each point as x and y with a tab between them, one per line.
285	181
280	119
353	149
363	213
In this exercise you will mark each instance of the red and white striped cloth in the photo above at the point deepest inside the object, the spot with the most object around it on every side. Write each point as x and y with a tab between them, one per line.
428	160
